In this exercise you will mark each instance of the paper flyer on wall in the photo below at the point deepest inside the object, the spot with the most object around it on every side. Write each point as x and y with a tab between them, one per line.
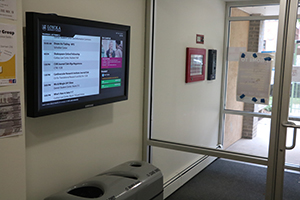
8	9
8	42
10	114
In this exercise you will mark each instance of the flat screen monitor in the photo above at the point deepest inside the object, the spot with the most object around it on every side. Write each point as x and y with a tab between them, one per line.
74	63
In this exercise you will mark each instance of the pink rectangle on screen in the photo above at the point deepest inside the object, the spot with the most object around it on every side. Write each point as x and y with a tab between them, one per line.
111	62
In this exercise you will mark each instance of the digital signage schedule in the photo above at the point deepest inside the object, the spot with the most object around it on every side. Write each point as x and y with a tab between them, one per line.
81	65
71	67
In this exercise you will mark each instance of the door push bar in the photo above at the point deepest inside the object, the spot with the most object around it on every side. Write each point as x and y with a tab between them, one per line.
290	124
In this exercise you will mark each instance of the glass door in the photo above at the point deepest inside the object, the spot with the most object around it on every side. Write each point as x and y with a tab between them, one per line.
257	33
292	154
284	108
252	122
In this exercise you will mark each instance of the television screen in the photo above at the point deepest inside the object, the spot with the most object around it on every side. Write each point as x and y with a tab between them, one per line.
74	63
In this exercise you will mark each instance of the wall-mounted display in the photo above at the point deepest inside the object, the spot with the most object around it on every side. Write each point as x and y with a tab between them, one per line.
195	64
74	63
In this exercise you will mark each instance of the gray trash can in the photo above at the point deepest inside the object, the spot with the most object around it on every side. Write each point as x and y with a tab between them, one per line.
133	180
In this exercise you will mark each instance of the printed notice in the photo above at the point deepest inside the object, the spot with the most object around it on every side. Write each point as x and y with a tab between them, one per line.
8	9
7	54
254	76
10	114
235	52
71	67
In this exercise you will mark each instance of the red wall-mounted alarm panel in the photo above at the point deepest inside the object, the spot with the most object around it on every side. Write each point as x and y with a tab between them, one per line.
195	64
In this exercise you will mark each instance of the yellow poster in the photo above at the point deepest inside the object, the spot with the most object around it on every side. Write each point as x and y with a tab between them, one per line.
7	54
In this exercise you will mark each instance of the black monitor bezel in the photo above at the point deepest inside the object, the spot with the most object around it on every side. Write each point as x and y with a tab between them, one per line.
33	63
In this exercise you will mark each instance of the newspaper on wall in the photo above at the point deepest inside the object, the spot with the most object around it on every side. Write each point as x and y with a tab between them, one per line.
10	114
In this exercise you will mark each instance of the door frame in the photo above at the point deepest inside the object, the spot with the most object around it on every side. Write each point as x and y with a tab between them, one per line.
223	109
228	19
148	108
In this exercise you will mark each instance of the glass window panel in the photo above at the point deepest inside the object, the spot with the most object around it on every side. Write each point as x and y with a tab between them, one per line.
254	10
251	36
246	134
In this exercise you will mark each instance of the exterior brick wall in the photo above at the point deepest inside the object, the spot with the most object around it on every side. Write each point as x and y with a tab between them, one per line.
254	44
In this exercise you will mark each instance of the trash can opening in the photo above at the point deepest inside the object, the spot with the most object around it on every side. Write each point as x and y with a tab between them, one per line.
122	174
135	164
87	192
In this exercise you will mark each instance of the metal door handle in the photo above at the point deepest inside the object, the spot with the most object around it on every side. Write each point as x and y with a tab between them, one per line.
289	124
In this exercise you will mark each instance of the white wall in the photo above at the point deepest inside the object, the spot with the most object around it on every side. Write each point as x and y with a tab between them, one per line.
185	112
12	156
64	149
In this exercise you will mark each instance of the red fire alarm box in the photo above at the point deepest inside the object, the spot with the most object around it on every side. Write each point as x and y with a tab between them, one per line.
195	64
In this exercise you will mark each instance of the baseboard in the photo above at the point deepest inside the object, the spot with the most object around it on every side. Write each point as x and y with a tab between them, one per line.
185	175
